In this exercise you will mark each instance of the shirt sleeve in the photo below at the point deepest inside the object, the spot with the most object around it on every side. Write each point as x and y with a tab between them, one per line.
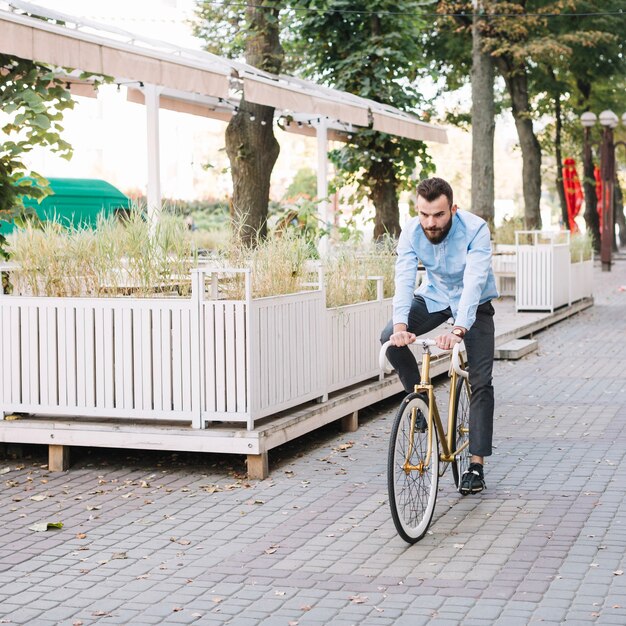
475	277
406	276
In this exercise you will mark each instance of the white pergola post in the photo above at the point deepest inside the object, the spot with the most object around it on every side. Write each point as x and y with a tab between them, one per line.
322	181
151	95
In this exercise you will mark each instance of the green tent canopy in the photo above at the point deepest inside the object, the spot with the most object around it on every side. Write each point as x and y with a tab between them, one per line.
76	202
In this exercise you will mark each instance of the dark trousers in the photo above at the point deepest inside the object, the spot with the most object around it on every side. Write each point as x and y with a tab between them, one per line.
480	344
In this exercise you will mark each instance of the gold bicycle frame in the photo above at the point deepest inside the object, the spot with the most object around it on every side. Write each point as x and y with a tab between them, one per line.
447	438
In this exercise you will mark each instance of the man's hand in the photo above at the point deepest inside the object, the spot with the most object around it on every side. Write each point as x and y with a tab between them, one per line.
401	336
447	341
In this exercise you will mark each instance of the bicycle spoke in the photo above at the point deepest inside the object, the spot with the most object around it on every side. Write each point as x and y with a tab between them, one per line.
412	493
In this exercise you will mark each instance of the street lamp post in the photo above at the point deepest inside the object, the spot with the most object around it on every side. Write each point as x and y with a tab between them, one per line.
609	121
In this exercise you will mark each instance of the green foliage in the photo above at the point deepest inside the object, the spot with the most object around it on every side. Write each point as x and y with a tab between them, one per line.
117	258
304	183
32	100
375	54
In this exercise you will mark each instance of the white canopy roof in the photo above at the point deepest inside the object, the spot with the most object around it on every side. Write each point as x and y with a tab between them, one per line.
191	80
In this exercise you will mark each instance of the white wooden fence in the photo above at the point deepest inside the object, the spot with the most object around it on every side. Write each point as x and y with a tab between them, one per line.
543	270
199	359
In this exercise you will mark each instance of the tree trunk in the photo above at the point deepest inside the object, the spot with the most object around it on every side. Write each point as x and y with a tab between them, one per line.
483	128
592	219
384	194
516	81
558	155
250	143
252	150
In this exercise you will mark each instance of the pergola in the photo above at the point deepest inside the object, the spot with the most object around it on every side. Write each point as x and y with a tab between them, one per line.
163	75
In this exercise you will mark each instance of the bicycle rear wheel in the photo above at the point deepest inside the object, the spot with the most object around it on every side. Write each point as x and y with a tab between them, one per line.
412	493
460	425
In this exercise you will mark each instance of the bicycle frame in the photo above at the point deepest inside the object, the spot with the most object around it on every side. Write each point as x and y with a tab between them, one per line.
446	438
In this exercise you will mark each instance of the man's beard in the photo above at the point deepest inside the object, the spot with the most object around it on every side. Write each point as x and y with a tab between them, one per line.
437	235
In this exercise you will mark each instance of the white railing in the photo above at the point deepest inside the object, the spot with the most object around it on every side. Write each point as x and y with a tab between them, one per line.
543	270
199	359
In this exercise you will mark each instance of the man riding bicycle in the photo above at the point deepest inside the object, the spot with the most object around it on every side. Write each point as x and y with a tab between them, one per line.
455	249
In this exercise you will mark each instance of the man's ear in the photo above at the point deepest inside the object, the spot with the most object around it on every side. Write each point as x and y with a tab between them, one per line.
454	208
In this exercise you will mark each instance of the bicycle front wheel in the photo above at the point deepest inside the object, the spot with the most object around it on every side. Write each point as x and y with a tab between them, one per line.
460	425
412	492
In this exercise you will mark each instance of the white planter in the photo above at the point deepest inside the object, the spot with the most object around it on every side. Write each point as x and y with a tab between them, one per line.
202	358
543	271
353	340
581	280
504	264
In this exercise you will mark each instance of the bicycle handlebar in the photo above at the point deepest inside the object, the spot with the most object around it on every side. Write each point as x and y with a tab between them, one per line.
456	363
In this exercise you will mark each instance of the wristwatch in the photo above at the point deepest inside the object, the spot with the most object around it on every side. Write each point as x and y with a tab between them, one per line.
459	332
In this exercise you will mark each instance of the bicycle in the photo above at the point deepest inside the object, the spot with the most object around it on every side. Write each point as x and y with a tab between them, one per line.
415	462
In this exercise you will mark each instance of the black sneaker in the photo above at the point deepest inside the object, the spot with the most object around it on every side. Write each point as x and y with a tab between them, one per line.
473	480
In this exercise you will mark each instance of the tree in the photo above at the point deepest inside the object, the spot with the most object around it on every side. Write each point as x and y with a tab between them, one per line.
483	122
372	52
33	99
250	142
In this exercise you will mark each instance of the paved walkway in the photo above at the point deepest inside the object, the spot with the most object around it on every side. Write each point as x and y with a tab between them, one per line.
154	538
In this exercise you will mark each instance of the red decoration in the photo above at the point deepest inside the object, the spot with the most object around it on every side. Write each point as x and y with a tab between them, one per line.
573	192
597	176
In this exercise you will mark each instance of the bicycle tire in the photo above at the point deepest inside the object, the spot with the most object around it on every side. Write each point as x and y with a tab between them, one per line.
412	494
460	426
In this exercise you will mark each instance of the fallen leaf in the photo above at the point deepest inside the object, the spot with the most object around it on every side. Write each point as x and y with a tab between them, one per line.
77	623
93	508
217	599
145	484
358	599
618	572
459	545
39	498
5	470
40	527
292	623
184	542
101	614
119	555
279	593
176	609
81	536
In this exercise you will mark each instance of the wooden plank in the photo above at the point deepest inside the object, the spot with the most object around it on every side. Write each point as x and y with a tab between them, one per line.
241	357
90	358
166	363
58	458
210	405
177	375
221	348
108	358
127	357
185	331
158	357
99	357
258	466
147	369
350	422
231	358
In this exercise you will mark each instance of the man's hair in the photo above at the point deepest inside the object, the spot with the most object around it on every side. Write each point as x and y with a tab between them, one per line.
431	188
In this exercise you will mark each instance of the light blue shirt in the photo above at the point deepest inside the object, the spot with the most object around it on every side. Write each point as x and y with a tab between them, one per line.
458	270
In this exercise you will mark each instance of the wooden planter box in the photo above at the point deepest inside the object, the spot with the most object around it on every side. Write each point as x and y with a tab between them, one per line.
504	263
353	340
581	280
201	359
546	277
